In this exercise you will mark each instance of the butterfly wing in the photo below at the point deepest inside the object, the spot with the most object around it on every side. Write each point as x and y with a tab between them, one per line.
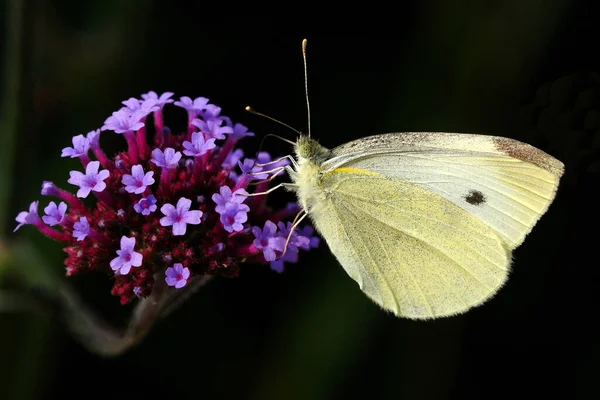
505	183
410	250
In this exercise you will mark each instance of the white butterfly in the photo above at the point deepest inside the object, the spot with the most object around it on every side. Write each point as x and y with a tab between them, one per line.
425	222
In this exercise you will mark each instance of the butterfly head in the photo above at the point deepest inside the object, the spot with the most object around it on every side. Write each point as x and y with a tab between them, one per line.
308	149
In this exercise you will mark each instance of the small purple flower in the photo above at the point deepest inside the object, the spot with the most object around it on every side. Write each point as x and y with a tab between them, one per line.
31	217
91	180
247	166
49	189
127	257
137	291
81	146
179	217
81	229
132	103
140	109
137	182
93	138
234	216
313	241
123	121
263	158
55	215
213	128
169	159
177	275
225	196
193	107
146	205
267	241
233	158
241	131
198	146
161	100
211	111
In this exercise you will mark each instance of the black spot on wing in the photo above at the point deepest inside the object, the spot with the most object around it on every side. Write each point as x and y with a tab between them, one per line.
475	197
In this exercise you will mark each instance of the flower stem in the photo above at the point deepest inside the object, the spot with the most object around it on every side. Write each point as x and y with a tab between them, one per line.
133	149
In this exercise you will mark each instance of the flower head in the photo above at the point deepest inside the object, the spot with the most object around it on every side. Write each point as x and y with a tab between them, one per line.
122	234
146	205
81	146
127	257
180	216
55	214
177	275
137	182
91	180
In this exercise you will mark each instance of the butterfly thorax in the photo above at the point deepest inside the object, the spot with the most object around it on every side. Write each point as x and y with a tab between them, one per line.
310	155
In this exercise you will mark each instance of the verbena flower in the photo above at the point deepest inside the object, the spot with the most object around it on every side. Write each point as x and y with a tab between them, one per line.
197	220
177	275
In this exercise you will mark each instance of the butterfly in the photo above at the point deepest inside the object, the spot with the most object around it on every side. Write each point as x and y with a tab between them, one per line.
424	222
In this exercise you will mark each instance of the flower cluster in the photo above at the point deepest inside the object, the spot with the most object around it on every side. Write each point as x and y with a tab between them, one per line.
173	208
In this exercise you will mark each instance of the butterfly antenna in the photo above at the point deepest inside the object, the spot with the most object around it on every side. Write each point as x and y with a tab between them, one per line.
306	83
253	111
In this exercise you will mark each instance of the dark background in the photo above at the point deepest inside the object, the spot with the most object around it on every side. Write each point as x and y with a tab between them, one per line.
521	69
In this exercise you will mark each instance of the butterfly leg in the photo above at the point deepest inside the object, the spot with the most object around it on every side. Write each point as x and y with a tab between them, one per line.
284	185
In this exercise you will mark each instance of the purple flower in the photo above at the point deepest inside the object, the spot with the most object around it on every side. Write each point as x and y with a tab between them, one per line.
137	181
55	215
127	257
267	241
132	103
91	180
198	146
193	107
225	196
81	146
140	109
81	229
247	165
179	217
161	100
234	216
239	131
49	189
137	291
263	158
146	205
31	217
169	159
313	241
233	158
123	121
93	138
211	111
177	275
212	128
302	240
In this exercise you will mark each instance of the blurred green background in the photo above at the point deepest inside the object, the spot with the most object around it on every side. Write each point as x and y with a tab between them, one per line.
522	69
